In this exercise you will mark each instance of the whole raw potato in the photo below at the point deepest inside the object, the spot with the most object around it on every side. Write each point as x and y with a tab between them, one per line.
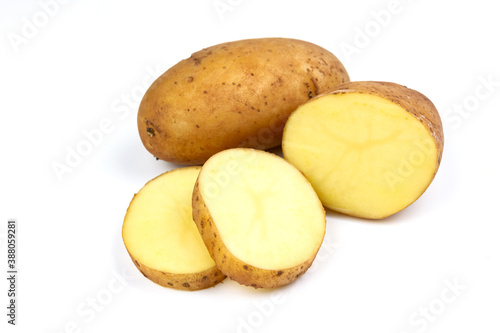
236	94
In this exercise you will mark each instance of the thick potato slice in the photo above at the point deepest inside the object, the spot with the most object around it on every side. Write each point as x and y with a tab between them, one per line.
235	94
161	237
259	217
369	149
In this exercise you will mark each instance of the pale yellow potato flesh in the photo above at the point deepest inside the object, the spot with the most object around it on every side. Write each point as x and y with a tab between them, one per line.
161	236
365	155
259	216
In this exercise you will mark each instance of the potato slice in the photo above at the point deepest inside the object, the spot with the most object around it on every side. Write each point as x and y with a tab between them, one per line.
369	149
259	217
161	237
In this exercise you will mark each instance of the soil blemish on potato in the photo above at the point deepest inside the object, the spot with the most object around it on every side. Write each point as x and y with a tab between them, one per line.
151	129
197	58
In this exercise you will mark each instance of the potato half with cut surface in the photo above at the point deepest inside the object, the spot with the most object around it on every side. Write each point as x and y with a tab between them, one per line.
235	94
161	237
259	217
369	149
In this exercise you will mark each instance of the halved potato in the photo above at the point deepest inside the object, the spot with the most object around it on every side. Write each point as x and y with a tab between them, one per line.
259	217
369	149
161	237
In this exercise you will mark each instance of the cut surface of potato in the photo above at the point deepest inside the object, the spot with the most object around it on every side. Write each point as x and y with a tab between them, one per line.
369	149
260	218
161	237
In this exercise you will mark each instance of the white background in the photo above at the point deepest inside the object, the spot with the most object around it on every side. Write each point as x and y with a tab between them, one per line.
85	62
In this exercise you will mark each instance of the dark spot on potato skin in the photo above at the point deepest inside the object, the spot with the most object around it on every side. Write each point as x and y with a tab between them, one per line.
154	129
186	285
170	284
190	79
199	56
245	267
279	273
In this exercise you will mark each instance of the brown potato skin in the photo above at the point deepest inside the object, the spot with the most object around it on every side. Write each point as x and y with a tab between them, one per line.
230	265
190	282
235	94
417	104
